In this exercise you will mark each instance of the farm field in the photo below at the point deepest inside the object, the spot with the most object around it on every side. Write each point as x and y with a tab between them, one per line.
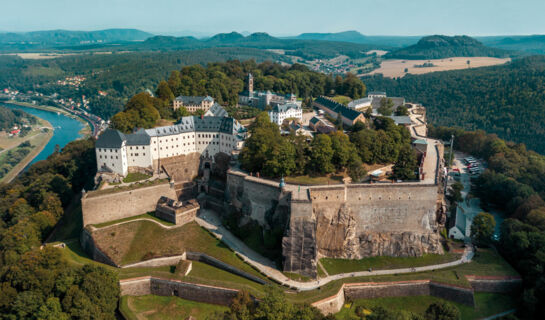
396	68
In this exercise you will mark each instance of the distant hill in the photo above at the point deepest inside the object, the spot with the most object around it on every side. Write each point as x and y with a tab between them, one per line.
356	37
530	44
307	49
439	46
55	38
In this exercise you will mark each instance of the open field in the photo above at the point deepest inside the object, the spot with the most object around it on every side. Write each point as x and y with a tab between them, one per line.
487	304
396	68
156	307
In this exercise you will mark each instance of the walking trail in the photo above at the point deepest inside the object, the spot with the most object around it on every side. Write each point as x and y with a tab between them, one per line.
209	220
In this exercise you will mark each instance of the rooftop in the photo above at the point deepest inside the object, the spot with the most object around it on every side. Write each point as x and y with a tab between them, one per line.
110	138
285	107
338	108
192	100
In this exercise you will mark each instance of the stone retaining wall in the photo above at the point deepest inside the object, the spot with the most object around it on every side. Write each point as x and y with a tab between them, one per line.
495	284
100	208
372	290
157	262
184	290
453	293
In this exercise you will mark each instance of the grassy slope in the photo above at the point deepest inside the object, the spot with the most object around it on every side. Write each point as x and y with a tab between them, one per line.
487	304
157	307
336	266
130	242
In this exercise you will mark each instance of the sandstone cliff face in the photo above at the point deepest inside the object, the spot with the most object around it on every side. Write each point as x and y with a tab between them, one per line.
338	235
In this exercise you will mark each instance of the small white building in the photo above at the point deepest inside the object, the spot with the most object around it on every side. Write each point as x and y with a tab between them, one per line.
376	94
285	111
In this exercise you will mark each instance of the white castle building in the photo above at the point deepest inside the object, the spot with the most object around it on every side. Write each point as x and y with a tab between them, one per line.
116	152
280	112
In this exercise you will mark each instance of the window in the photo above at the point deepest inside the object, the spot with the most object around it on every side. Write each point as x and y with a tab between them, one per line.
131	154
144	154
130	148
116	157
100	157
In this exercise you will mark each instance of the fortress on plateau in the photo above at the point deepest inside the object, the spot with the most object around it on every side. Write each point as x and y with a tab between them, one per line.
348	221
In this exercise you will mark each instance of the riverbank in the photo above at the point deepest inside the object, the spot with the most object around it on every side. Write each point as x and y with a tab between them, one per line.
85	131
65	128
38	142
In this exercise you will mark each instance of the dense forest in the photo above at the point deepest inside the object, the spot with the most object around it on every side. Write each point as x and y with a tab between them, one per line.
273	155
507	100
439	46
14	117
120	75
224	81
38	283
512	183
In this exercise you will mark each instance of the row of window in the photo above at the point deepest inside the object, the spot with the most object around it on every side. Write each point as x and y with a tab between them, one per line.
106	157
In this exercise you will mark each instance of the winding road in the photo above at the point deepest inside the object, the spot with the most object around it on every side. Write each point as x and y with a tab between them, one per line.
209	220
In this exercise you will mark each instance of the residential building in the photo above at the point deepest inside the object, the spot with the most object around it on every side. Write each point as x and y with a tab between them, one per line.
193	103
280	112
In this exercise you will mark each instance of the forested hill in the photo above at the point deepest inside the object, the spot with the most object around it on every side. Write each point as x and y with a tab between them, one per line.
438	47
308	49
120	75
66	37
508	100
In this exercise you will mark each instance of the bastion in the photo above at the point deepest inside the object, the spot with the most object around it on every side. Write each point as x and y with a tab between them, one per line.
343	221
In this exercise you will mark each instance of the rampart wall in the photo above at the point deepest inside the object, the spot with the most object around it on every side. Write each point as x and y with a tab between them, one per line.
184	290
99	208
372	290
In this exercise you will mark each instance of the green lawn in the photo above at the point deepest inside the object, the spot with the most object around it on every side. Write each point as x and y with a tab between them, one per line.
487	262
313	180
336	266
487	304
158	307
126	188
133	241
135	176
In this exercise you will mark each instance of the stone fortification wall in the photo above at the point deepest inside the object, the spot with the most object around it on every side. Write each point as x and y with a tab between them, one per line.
343	221
496	285
253	197
387	289
157	262
184	290
135	286
331	305
453	293
372	290
100	208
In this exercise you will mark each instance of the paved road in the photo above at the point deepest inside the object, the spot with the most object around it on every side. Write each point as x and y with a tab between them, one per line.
209	220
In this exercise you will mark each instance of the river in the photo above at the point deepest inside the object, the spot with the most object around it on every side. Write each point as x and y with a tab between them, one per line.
66	129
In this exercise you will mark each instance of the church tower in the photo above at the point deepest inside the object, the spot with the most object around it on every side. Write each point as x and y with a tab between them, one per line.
250	85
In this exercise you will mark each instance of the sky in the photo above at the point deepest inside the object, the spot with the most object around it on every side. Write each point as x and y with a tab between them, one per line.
279	17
